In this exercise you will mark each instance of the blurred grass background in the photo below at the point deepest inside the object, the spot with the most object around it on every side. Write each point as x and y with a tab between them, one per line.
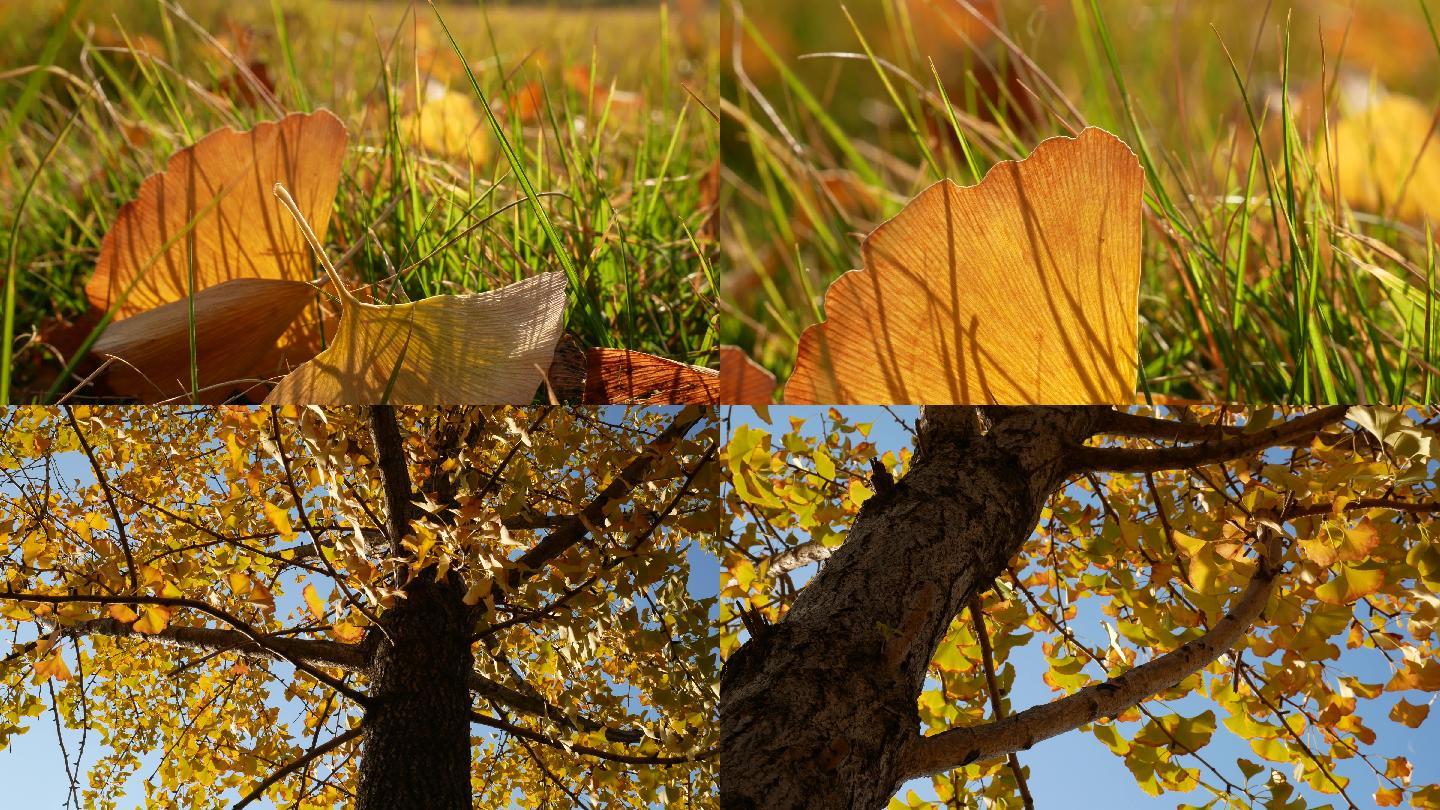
1257	286
610	106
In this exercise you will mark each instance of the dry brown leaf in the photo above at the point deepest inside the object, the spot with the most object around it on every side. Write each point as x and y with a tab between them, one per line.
488	348
1386	159
742	380
211	213
1022	289
236	326
624	376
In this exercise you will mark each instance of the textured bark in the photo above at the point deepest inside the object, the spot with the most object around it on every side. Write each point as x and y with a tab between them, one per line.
874	615
415	751
416	748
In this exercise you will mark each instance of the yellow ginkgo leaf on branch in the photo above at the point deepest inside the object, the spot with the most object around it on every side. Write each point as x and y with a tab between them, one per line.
1022	289
280	519
209	219
154	620
314	602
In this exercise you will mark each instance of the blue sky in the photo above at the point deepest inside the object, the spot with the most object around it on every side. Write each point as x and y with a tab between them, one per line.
1076	764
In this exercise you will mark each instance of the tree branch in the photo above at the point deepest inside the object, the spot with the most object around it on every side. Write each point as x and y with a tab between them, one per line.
574	528
961	746
394	474
245	629
1124	423
630	759
104	483
1124	459
296	764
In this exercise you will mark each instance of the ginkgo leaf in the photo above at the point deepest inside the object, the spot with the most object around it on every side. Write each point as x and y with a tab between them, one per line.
1022	289
742	380
1350	584
52	666
614	376
447	124
237	326
280	519
1409	714
347	632
1384	158
485	348
209	218
239	583
314	602
154	620
122	613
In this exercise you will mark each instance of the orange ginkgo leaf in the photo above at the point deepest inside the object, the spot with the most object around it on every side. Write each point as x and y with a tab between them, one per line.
1022	289
236	323
624	376
448	124
742	380
1385	158
209	219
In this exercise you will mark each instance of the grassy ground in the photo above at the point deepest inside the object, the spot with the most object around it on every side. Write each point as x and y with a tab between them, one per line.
1257	285
98	93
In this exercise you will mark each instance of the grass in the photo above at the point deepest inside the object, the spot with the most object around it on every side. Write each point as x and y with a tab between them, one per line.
607	186
1258	286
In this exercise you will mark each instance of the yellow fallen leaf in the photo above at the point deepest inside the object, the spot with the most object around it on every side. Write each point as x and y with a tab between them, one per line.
154	620
1023	289
742	380
447	124
487	348
209	219
1384	158
314	603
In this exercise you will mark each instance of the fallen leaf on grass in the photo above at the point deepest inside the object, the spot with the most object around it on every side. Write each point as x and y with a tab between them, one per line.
742	380
237	325
1022	289
486	348
623	376
1386	159
447	124
209	219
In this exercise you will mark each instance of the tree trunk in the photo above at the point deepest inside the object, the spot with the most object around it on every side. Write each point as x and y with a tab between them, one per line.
819	709
416	746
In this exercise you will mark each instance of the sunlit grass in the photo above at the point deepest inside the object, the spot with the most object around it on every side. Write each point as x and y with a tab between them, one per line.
617	164
1257	286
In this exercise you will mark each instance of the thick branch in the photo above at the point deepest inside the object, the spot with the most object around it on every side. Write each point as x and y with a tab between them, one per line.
961	746
574	529
1124	423
394	474
1123	459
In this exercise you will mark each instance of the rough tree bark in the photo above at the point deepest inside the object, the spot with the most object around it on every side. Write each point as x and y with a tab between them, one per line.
872	618
820	709
415	751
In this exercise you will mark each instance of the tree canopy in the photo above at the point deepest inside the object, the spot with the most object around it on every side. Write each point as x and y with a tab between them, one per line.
1239	557
203	595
